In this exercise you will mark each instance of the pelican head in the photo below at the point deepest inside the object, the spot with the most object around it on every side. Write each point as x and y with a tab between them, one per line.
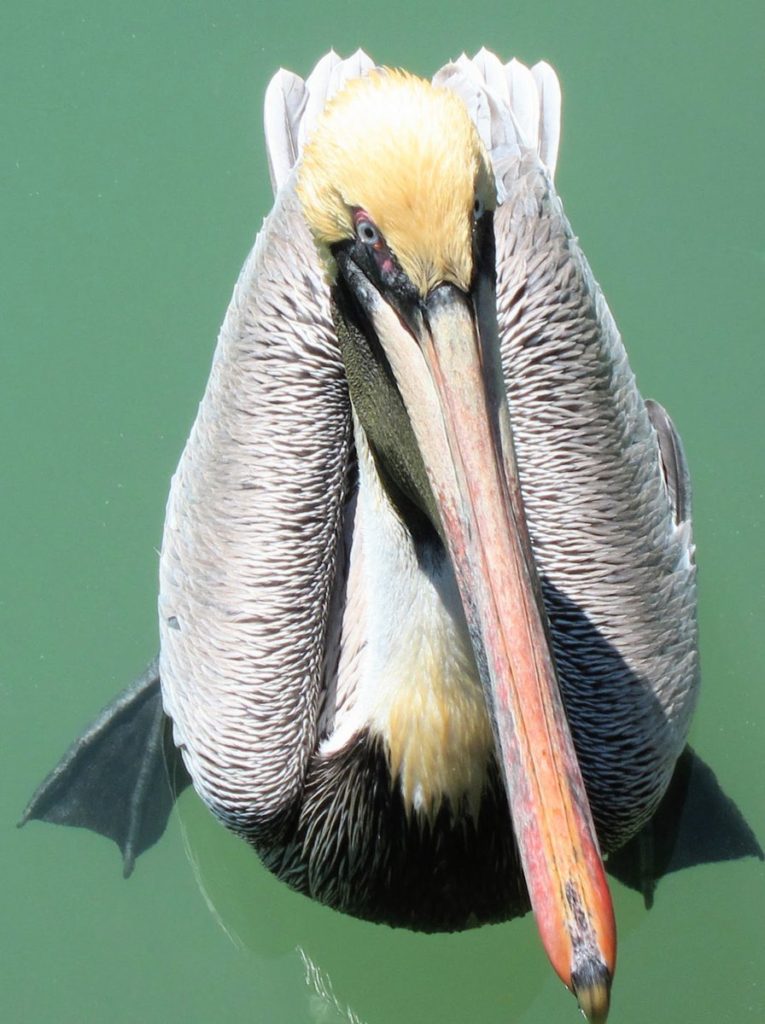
398	193
395	152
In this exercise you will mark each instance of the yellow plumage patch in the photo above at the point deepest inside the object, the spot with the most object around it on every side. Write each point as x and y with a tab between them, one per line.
438	735
408	154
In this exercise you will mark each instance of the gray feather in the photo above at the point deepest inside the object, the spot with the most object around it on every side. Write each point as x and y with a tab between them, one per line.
602	525
283	109
673	461
251	531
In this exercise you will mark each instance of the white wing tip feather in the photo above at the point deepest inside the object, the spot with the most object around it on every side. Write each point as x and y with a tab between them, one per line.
515	108
292	106
282	109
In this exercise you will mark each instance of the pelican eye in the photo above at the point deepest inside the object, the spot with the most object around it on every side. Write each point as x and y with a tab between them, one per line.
478	208
371	250
367	233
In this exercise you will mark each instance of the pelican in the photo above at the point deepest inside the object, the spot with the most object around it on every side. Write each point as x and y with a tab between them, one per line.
427	596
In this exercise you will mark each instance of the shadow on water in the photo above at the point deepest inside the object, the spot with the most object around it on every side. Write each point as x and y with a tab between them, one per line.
695	822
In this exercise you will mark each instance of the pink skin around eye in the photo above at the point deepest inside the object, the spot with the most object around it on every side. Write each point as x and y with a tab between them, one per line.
360	216
385	261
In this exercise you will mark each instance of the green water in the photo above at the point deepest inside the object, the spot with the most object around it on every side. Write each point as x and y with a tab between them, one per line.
133	182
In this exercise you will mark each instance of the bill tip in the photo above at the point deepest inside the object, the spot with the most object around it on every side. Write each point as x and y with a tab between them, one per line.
591	985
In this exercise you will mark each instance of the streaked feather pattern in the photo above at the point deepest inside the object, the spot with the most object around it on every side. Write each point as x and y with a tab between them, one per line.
617	570
251	533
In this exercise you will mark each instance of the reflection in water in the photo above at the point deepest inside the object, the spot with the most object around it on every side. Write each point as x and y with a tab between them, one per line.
324	1004
366	972
358	972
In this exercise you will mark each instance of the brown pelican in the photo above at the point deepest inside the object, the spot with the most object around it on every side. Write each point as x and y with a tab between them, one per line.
427	586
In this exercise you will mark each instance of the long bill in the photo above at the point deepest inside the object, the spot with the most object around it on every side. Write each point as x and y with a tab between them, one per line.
448	381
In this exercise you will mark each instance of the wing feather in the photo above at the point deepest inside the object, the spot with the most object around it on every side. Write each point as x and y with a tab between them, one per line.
292	106
516	110
673	461
251	533
285	102
548	88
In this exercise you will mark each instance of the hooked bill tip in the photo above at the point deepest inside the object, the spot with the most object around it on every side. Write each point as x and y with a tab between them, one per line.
591	985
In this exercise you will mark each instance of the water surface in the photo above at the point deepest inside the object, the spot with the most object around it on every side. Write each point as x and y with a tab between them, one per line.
134	181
